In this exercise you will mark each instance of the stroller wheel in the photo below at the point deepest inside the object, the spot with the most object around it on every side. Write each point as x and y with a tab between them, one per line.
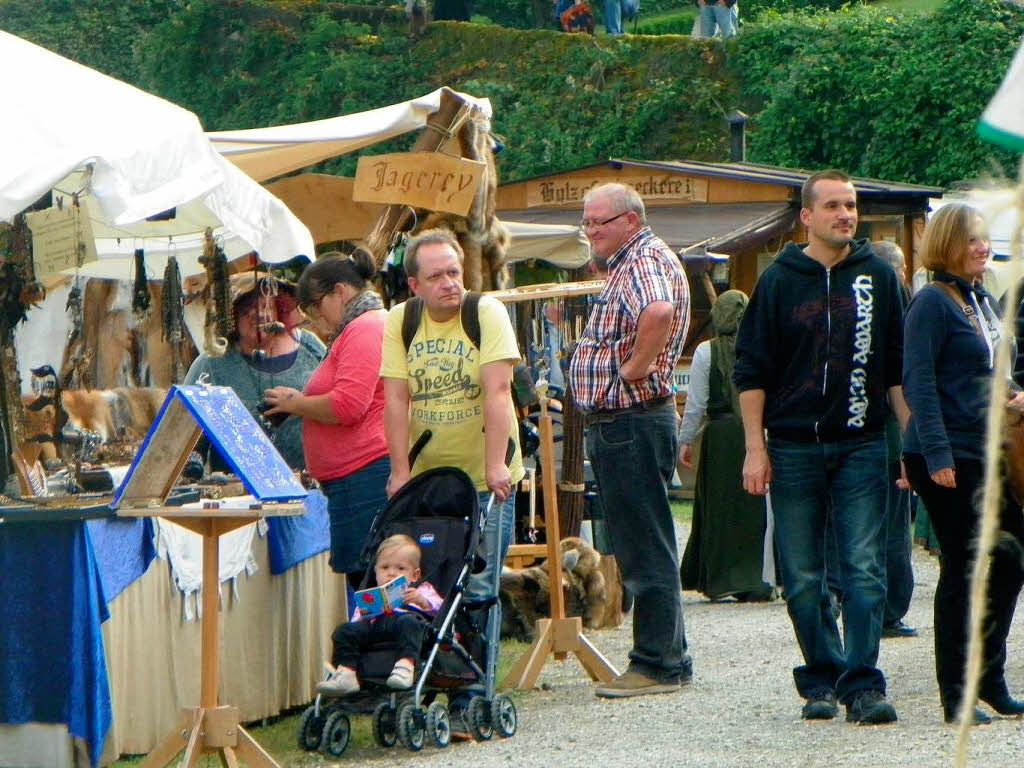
385	725
337	731
311	728
503	716
412	729
439	726
478	713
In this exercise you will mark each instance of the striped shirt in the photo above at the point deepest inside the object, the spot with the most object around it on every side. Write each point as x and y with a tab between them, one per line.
642	271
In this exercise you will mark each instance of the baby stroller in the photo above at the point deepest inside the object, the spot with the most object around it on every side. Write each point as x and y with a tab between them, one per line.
439	509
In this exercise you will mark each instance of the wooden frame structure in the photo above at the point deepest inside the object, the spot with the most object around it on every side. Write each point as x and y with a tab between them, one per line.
209	727
560	635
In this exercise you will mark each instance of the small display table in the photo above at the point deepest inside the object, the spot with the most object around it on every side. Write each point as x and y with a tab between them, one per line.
187	413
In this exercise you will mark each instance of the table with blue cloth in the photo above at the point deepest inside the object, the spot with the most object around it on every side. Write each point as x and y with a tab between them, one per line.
62	661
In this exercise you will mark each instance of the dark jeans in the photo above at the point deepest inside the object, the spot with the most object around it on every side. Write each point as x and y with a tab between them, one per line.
633	455
351	639
842	483
352	503
899	574
954	516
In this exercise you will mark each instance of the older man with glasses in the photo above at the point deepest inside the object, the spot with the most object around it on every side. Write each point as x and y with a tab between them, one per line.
621	379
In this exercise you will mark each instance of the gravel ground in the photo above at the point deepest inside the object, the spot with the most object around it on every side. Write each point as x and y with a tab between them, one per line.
742	708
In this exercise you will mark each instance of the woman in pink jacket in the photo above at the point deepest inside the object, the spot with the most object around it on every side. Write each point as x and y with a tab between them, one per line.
343	401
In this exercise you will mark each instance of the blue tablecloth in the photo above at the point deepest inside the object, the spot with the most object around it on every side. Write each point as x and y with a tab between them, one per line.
292	539
52	666
123	547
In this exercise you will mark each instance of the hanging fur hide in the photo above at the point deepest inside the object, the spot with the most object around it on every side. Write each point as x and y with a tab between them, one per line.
220	321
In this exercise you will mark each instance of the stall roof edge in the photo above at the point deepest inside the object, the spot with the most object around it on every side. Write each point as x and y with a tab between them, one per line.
754	172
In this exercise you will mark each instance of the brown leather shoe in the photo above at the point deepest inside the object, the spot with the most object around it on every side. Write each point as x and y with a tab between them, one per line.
633	684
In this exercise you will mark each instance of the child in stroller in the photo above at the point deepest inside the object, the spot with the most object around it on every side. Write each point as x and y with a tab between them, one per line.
397	555
439	511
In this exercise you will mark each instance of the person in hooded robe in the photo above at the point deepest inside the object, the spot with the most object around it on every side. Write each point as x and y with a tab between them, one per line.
725	553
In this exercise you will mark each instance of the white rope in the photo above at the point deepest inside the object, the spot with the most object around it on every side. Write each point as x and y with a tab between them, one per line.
989	524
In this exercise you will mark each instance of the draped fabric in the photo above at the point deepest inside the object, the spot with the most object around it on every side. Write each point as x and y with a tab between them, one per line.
52	604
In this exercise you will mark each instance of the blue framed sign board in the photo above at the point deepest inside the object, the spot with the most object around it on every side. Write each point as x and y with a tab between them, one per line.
216	412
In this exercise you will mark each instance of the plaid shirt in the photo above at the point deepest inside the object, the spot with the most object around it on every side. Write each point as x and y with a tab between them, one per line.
642	271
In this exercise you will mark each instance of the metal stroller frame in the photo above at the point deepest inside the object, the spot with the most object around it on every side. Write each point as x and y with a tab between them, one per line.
326	725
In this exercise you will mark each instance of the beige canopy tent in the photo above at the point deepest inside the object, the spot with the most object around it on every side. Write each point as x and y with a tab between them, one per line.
324	202
266	153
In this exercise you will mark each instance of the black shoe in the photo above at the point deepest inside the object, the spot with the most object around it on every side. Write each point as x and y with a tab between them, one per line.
1004	704
821	705
977	718
898	629
870	707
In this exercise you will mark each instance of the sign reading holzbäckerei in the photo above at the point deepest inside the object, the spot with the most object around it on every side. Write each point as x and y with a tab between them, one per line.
430	180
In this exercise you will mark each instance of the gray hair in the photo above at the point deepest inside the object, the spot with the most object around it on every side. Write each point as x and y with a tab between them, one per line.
890	253
624	198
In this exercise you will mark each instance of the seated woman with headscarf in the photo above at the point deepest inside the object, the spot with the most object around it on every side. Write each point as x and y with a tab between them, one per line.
725	553
265	350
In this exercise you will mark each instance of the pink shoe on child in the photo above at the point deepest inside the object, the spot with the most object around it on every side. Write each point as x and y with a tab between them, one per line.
401	676
340	682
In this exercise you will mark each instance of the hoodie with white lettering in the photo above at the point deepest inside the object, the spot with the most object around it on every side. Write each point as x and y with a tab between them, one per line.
824	344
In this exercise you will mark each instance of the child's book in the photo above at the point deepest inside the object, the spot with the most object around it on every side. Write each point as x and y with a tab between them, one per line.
383	599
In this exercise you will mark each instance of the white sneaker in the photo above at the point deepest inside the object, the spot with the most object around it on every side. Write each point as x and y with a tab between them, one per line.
401	677
342	682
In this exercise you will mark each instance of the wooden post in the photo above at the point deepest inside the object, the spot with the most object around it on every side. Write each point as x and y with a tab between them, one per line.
210	647
571	500
207	727
436	136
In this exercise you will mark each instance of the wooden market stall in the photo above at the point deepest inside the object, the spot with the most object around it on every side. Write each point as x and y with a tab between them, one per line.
744	210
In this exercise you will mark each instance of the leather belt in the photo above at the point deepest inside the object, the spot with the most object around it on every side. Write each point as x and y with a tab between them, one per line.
591	417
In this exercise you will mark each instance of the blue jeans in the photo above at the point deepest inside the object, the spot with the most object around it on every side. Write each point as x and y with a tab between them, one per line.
899	574
843	484
633	455
481	585
720	16
352	503
617	10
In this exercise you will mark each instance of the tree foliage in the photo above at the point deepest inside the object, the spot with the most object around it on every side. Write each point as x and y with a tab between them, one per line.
862	88
877	93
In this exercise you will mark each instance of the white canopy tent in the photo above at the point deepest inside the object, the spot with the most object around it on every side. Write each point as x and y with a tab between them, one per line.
265	153
560	244
142	156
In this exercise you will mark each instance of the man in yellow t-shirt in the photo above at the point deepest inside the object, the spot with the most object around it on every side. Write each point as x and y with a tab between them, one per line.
463	394
443	383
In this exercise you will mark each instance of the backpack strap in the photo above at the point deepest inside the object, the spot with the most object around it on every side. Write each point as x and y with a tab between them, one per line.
411	320
966	308
470	317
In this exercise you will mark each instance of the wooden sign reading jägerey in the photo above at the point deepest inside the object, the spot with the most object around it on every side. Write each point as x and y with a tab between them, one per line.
430	180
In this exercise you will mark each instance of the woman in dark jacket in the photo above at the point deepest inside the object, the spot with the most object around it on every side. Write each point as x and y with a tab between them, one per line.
950	338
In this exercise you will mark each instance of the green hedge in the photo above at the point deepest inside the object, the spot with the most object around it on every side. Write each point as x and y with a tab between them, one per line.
866	89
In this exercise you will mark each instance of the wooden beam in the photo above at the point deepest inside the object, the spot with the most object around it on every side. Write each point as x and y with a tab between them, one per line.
437	136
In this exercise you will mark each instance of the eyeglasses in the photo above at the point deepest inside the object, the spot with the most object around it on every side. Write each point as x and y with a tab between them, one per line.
588	224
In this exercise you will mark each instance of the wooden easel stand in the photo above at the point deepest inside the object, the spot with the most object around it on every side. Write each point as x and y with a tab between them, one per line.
558	635
209	727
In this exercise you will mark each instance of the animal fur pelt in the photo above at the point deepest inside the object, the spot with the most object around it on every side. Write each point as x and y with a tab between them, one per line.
591	583
484	239
110	349
125	413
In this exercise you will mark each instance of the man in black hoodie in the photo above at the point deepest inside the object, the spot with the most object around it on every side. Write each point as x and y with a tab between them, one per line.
817	354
